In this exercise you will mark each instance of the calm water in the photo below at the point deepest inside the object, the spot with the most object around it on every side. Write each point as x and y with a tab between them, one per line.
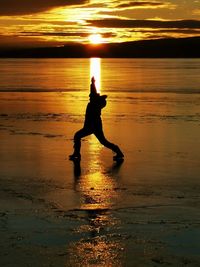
113	75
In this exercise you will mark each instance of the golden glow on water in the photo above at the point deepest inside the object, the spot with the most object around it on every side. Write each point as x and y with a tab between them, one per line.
99	251
98	191
97	195
95	70
97	188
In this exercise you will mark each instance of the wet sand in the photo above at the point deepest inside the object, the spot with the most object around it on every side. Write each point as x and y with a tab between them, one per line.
143	212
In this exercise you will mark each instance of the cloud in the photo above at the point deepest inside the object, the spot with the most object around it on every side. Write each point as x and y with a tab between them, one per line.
120	23
63	34
18	42
144	4
23	7
183	31
196	12
109	5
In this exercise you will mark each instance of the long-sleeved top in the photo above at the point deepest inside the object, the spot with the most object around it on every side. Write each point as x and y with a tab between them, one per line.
93	111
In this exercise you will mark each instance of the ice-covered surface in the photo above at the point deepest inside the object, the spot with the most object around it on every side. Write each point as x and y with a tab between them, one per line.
143	212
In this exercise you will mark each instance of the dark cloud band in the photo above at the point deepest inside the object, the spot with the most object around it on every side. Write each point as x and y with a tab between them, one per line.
63	34
22	7
119	23
183	31
140	4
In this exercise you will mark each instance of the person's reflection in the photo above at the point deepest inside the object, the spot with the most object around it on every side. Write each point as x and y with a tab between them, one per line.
113	169
77	169
96	202
97	195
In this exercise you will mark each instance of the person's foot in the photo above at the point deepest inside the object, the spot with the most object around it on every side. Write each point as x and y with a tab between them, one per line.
75	157
118	152
119	157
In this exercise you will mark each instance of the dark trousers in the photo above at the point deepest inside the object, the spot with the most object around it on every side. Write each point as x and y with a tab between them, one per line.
98	132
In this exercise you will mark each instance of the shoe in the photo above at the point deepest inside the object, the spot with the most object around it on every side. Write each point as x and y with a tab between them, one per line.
118	152
75	157
119	156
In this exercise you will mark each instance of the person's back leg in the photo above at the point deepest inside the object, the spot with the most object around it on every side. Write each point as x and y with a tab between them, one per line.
77	142
100	136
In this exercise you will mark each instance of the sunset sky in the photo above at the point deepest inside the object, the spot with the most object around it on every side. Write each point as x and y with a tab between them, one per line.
56	22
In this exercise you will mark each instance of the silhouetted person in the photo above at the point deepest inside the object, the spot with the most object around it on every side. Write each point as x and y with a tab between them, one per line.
93	125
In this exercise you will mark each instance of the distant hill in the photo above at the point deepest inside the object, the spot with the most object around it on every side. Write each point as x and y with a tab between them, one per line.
159	48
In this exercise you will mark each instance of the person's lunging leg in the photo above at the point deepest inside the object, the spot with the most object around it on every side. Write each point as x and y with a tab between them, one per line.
77	142
100	136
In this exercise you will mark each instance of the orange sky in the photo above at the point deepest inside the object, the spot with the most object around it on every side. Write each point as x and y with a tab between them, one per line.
56	22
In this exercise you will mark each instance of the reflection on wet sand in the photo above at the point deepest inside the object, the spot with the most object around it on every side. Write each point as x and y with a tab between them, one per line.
98	193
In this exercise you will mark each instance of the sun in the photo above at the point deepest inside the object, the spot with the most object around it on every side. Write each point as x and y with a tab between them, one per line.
95	39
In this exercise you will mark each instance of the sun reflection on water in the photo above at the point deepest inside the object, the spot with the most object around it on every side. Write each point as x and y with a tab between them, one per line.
95	70
97	252
98	191
99	245
97	187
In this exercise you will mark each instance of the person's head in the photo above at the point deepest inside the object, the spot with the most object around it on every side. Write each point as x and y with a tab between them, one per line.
93	79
